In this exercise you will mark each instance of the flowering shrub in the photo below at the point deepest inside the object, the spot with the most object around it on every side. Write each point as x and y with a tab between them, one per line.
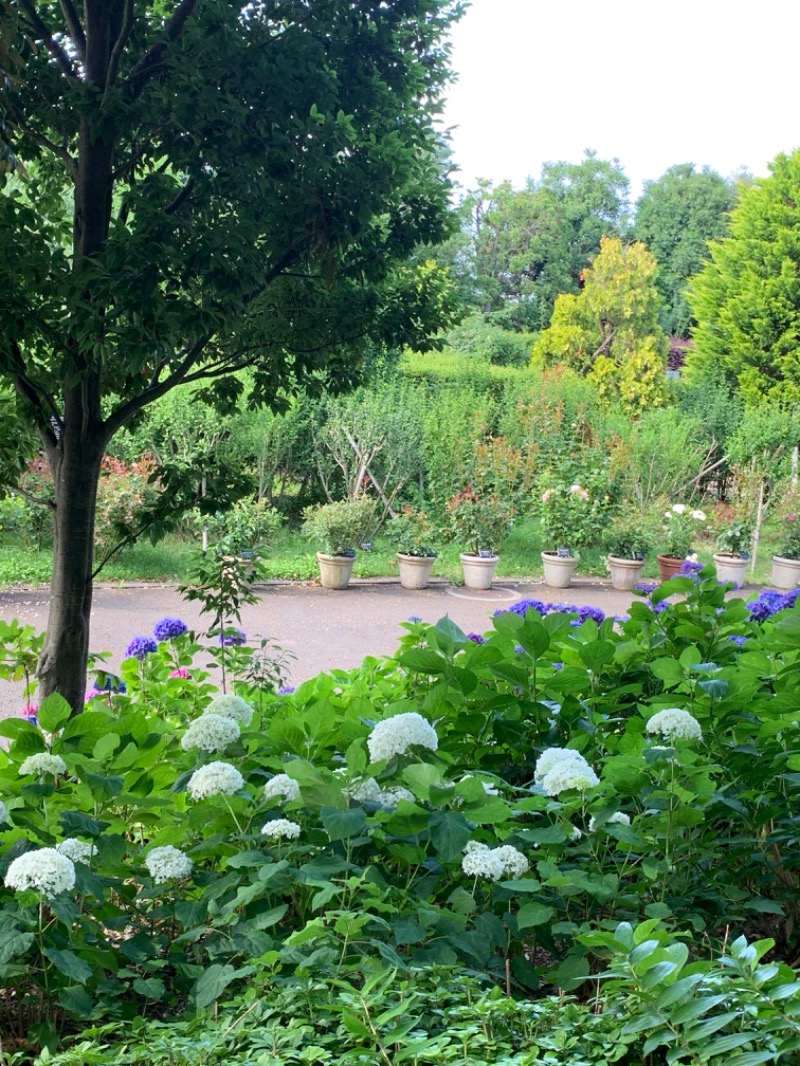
789	542
479	520
571	514
643	768
124	491
680	529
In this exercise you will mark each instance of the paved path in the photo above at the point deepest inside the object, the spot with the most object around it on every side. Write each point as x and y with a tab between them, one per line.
323	629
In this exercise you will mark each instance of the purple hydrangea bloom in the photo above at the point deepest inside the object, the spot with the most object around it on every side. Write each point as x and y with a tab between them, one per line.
476	638
92	694
690	568
519	649
770	602
647	587
740	640
592	612
139	647
523	606
169	629
286	690
415	618
232	638
558	666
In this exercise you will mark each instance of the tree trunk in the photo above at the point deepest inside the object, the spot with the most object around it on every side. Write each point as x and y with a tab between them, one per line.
75	462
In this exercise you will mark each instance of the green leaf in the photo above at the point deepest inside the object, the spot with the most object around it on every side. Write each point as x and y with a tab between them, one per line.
54	711
70	964
342	825
150	987
212	982
533	914
597	654
106	746
449	833
13	944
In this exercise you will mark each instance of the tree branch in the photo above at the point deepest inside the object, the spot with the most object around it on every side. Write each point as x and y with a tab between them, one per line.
152	60
39	399
75	29
52	45
44	142
119	46
181	198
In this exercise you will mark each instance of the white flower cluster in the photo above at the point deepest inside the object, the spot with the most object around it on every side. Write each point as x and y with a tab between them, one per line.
211	732
561	769
618	818
231	707
673	723
394	736
281	829
215	779
3	813
282	785
42	763
45	870
493	863
167	863
76	850
369	790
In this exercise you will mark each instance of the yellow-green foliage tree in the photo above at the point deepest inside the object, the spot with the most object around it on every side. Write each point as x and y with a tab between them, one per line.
610	331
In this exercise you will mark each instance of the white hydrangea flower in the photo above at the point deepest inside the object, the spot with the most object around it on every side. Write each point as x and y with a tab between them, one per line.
390	797
76	850
168	863
45	870
679	508
575	834
480	861
231	707
42	763
394	736
699	516
3	813
553	757
567	775
618	818
673	722
514	862
211	732
366	790
215	779
282	785
281	829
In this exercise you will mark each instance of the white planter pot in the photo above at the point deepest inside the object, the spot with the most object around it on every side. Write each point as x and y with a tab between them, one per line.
415	570
731	567
785	572
558	569
335	570
625	573
479	571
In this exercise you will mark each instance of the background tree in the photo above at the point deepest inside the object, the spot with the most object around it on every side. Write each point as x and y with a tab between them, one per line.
610	332
676	217
208	187
746	299
524	247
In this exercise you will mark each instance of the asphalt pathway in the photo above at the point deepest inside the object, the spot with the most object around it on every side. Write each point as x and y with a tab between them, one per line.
322	629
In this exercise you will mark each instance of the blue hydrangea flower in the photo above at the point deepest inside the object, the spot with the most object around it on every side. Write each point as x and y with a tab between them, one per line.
646	587
690	568
169	629
286	690
591	612
232	638
476	638
415	618
740	640
769	603
139	647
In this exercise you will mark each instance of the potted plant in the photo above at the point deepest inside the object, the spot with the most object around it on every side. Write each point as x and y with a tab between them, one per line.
786	564
479	521
563	514
411	532
680	528
628	541
733	554
339	528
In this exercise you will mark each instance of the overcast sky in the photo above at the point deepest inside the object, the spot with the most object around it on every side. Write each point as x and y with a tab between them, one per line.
698	81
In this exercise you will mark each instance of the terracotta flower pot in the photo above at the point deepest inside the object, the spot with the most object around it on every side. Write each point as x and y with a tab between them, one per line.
669	566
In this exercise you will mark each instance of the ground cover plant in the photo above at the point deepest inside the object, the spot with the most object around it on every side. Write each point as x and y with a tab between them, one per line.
512	805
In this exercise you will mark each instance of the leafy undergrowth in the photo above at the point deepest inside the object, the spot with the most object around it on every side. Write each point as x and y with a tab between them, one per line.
563	807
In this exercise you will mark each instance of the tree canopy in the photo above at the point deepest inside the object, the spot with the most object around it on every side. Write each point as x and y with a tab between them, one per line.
610	332
522	248
676	217
204	187
746	299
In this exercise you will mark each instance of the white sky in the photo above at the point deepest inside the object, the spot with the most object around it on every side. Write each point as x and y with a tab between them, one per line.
711	82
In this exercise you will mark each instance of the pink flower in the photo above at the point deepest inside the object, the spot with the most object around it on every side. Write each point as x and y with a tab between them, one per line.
548	495
792	518
181	672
